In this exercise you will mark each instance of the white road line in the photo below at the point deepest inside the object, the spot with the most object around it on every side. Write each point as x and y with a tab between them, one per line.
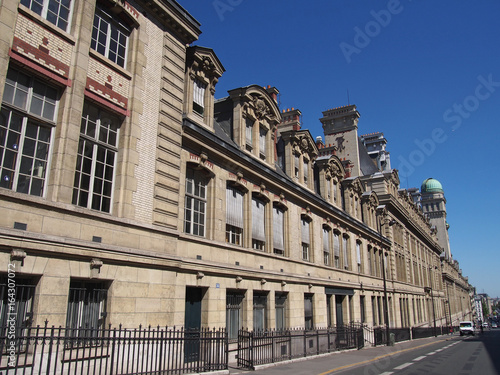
419	358
431	353
404	365
387	373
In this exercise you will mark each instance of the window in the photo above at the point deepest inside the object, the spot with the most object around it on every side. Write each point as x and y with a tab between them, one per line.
262	143
305	239
234	216
249	134
278	231
362	308
259	311
258	224
306	171
110	36
358	255
24	136
86	307
280	307
196	202
326	246
96	158
234	319
23	291
336	250
369	253
56	12
345	251
308	311
199	96
297	161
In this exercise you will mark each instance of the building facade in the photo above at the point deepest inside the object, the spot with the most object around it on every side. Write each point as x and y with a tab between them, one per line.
132	196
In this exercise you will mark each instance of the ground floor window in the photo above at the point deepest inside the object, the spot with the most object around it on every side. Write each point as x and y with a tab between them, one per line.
234	318
259	311
280	307
308	311
87	307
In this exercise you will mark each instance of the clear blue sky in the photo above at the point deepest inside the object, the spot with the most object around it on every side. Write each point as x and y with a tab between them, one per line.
425	73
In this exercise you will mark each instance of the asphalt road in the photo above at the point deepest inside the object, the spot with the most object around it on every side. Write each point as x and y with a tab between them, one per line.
479	354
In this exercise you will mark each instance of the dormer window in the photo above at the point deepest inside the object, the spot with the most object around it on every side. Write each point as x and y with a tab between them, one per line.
262	143
249	134
297	167
199	97
306	170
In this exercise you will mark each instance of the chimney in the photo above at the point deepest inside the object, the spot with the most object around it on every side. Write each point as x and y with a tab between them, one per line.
273	92
290	119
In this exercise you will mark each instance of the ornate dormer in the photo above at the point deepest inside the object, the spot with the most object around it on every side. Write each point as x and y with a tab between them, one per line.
203	70
250	116
353	190
298	153
331	173
369	204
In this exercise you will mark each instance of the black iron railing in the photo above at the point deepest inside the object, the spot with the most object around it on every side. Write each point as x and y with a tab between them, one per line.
270	346
161	350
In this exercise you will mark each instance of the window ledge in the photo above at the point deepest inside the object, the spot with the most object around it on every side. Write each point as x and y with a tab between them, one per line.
46	24
104	60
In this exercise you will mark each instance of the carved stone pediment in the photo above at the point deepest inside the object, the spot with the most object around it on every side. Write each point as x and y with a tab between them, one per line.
260	107
303	144
355	186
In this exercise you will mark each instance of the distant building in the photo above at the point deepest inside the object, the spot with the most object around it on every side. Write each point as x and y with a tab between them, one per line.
375	144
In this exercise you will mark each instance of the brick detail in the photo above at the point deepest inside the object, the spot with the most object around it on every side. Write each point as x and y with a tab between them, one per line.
42	46
105	81
107	93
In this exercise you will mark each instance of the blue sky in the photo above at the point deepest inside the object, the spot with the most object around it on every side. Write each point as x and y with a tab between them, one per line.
425	73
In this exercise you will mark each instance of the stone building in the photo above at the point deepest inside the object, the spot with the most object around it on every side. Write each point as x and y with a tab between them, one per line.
132	196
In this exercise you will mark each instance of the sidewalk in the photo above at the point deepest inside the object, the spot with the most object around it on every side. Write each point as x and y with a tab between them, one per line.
336	361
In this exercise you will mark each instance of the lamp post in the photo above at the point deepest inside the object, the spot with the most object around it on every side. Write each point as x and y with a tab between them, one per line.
386	309
429	289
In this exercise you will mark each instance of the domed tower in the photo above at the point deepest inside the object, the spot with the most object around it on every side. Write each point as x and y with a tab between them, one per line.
434	206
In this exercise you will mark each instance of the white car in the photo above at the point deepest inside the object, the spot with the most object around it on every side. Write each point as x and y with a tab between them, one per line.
466	328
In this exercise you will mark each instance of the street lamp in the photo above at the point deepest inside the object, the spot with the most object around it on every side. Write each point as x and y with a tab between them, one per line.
386	309
427	290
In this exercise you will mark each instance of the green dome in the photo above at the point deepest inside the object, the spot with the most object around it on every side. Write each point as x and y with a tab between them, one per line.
431	186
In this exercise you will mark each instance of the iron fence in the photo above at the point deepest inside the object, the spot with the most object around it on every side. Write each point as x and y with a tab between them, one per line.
270	346
50	350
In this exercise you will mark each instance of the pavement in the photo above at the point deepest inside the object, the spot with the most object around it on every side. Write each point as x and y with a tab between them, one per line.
337	361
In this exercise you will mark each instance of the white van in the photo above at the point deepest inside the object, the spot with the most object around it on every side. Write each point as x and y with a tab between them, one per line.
466	328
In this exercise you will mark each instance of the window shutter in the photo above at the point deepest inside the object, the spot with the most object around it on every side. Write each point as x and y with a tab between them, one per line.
278	234
326	242
234	207
305	231
258	220
344	248
336	245
249	129
199	93
262	141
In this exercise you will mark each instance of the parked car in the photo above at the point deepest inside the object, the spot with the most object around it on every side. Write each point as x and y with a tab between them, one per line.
485	325
466	328
493	325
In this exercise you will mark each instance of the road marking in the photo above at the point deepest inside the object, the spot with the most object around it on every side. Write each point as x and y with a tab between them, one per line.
387	373
379	357
431	353
419	358
404	365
